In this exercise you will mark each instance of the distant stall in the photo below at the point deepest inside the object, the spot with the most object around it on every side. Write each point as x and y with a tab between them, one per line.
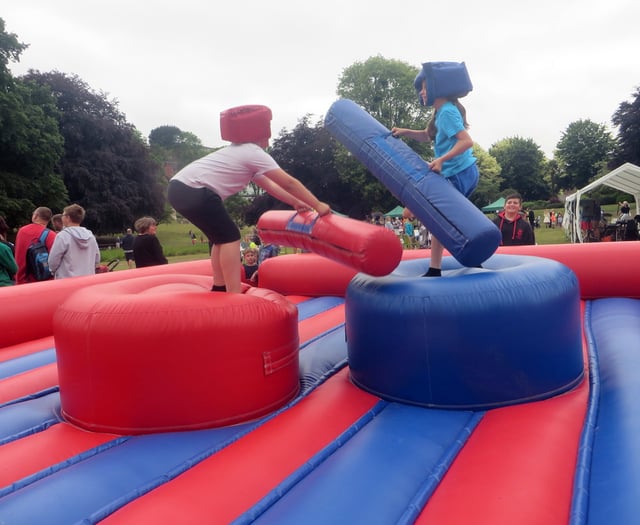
396	212
578	211
497	205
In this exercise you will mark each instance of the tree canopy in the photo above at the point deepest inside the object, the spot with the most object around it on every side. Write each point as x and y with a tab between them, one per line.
583	148
30	142
490	182
522	164
174	149
106	164
627	119
10	50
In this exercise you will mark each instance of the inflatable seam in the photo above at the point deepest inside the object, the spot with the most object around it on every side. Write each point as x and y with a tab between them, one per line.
274	360
580	500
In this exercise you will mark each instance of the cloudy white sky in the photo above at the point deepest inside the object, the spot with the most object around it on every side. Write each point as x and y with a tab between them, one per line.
536	66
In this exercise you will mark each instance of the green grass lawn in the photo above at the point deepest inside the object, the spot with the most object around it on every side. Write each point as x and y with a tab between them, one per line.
546	235
176	244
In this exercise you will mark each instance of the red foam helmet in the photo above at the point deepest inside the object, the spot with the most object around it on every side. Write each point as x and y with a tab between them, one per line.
242	124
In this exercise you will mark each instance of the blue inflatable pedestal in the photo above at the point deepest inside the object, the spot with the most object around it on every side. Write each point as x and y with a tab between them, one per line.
472	339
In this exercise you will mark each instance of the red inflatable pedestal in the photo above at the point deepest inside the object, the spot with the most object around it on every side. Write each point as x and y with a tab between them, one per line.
163	353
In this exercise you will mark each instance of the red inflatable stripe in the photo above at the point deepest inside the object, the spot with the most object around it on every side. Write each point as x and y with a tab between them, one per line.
368	248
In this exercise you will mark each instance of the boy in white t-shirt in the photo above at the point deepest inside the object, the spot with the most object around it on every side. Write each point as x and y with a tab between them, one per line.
198	190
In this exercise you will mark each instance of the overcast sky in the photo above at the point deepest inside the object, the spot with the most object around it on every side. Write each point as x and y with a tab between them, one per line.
536	66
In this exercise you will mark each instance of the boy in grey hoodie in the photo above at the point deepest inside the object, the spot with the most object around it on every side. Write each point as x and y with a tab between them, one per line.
75	250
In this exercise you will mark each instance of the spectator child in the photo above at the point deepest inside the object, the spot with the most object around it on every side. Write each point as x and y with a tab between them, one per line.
250	265
56	222
75	249
147	250
515	229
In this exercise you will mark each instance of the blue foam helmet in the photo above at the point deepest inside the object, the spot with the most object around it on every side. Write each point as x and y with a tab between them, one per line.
444	80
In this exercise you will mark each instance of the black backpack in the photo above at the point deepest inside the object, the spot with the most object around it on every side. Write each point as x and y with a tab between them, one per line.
38	258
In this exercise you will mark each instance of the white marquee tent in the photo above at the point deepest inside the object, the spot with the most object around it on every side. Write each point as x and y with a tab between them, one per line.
626	178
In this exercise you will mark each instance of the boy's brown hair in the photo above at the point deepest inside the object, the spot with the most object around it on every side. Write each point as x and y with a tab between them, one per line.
75	212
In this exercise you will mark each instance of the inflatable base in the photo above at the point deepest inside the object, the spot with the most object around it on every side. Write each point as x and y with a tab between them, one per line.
474	338
163	353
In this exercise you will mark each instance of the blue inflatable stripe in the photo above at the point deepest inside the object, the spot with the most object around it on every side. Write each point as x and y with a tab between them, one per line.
300	474
29	417
60	466
461	227
104	482
108	477
616	328
401	467
317	305
29	397
28	362
580	500
322	357
324	354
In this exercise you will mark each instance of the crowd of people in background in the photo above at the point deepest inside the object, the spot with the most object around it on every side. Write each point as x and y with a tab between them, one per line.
410	231
552	219
516	224
74	251
70	249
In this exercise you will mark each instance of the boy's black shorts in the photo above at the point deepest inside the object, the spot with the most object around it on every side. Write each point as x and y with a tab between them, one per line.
204	209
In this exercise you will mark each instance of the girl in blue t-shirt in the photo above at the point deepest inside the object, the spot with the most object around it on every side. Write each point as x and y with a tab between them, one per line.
454	158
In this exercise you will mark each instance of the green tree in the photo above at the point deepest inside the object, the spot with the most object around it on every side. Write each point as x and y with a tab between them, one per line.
172	146
30	142
106	163
522	165
10	50
627	119
165	136
309	153
582	149
490	180
384	88
553	176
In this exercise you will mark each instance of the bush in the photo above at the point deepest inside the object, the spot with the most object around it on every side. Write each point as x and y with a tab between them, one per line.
107	241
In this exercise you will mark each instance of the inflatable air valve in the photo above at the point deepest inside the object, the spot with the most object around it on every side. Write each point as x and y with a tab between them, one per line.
368	248
242	124
459	225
